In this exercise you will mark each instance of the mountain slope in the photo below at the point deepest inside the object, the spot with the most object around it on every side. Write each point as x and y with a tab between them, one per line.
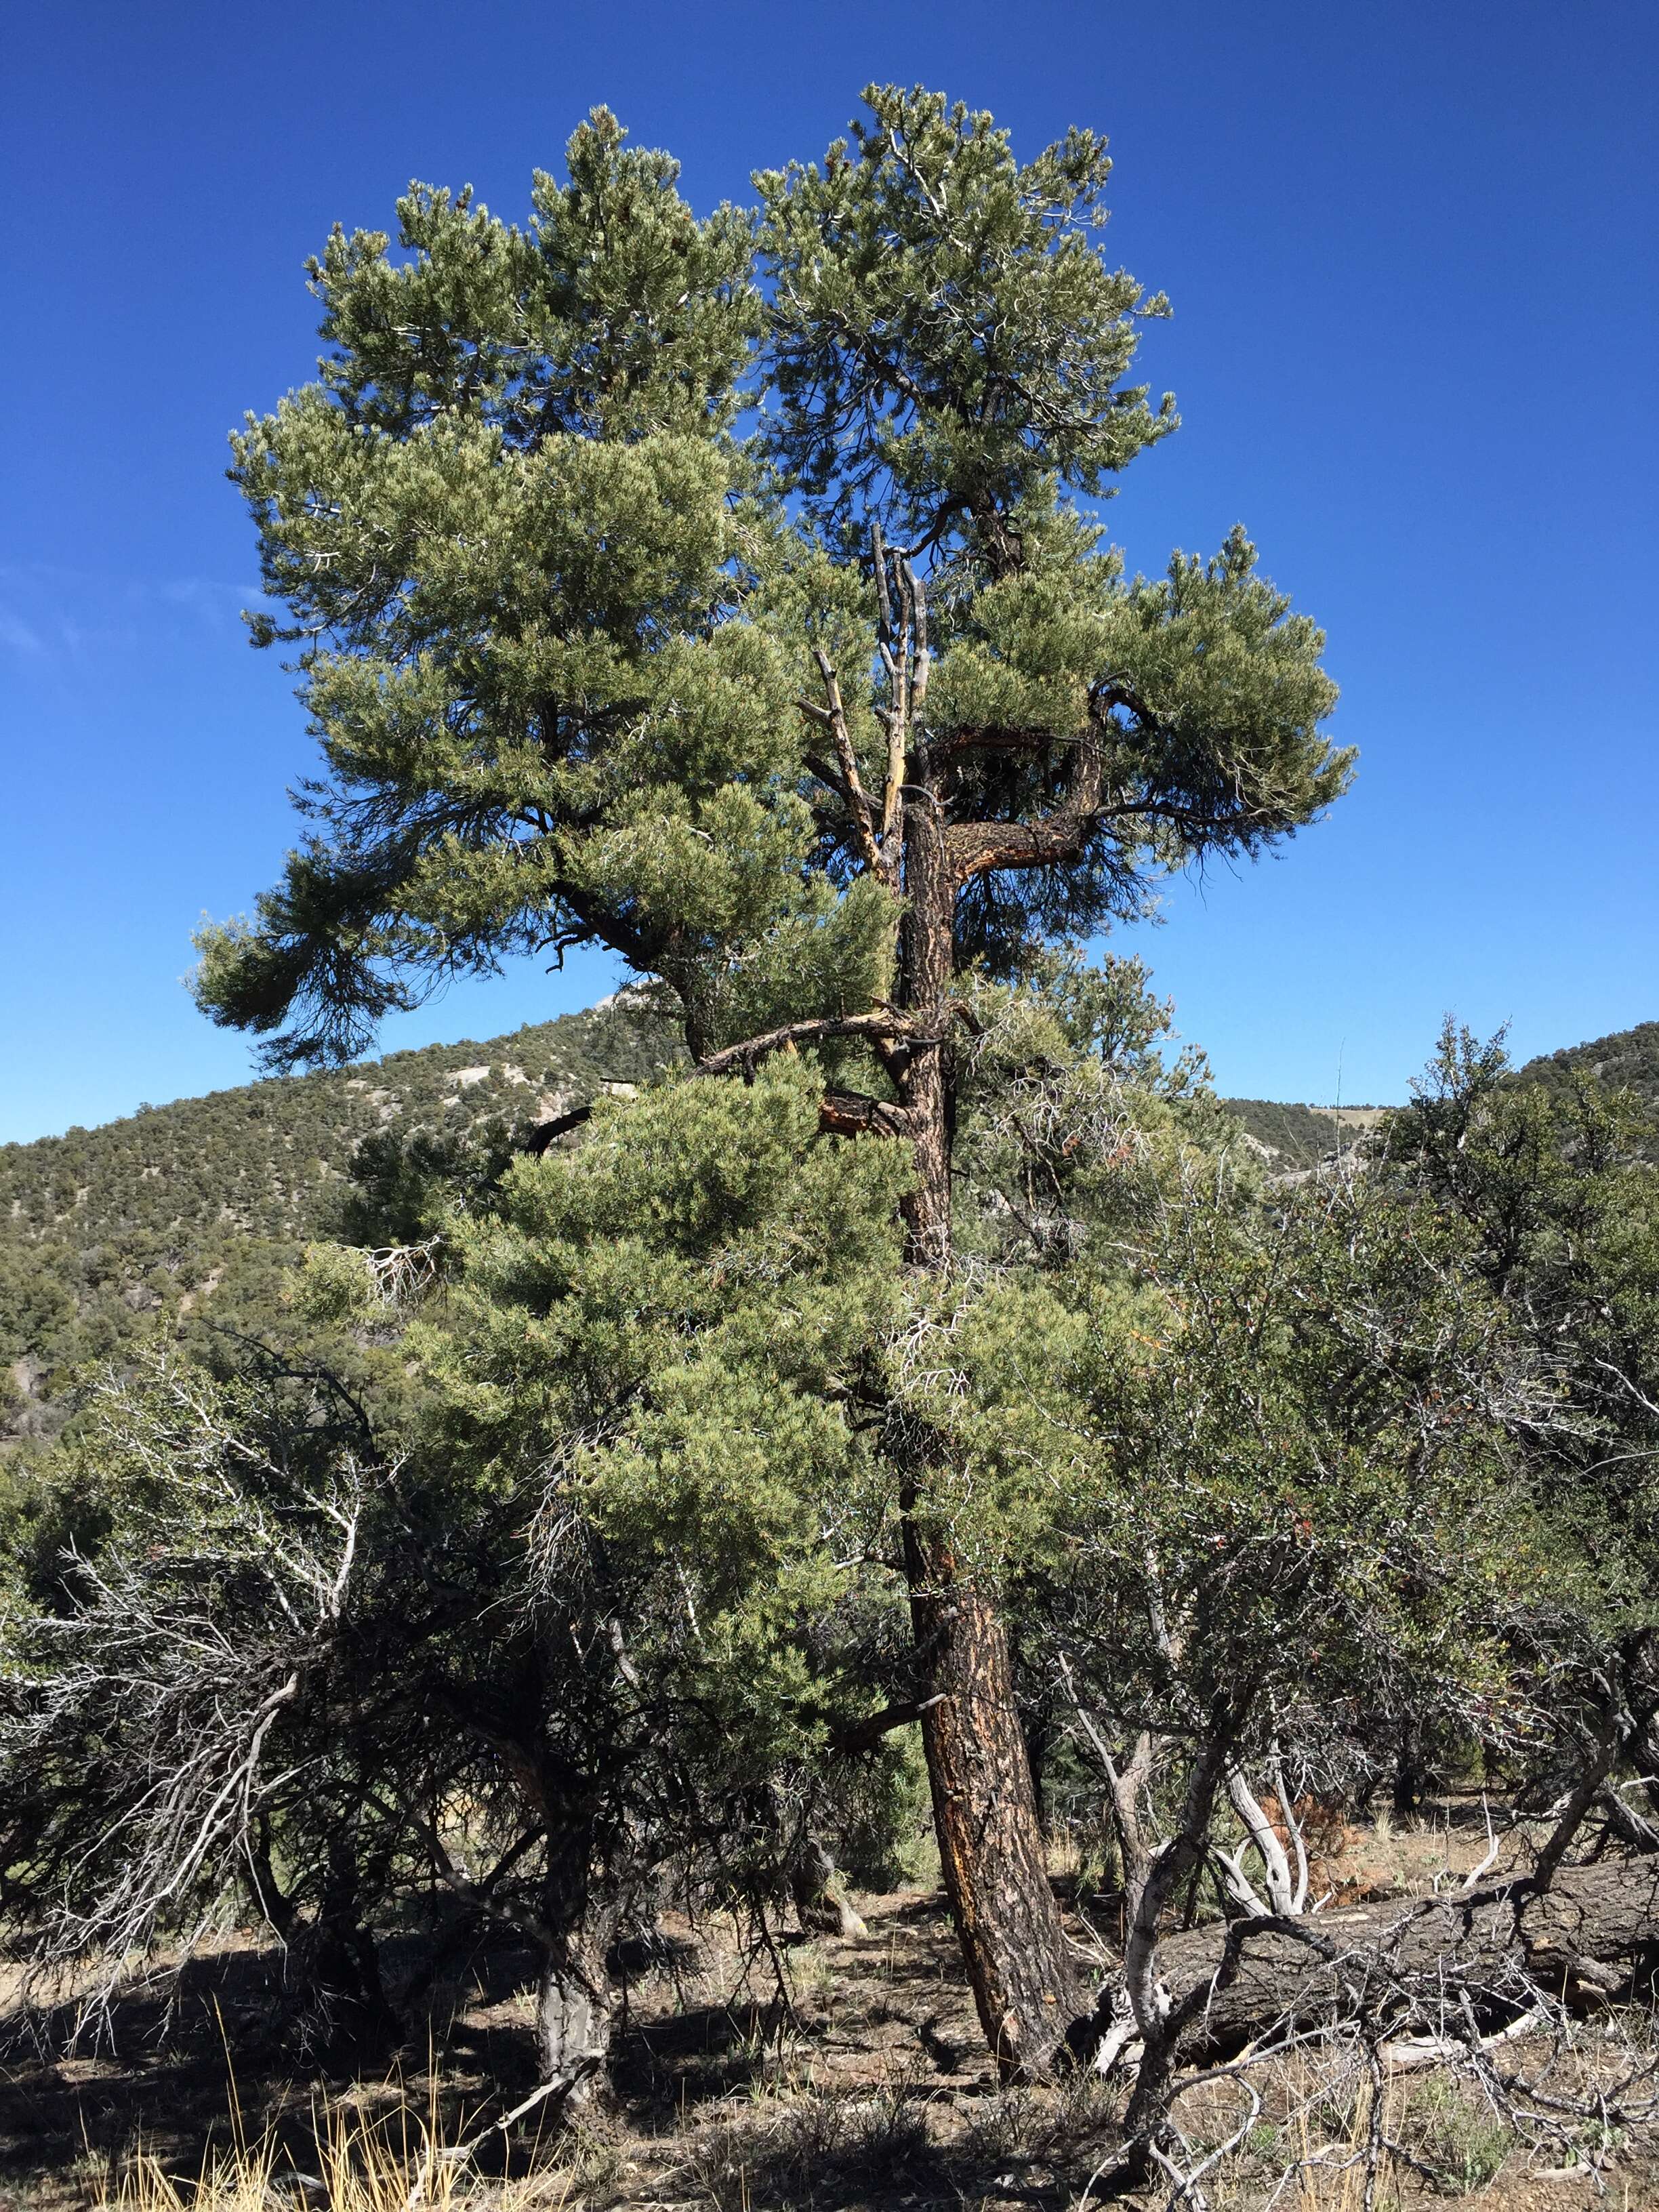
106	1232
1298	1137
198	1208
1292	1136
1626	1060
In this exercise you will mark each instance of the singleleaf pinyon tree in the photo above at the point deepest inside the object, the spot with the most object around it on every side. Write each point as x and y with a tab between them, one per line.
719	592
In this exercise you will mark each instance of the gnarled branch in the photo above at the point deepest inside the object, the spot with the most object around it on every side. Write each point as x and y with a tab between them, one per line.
883	1024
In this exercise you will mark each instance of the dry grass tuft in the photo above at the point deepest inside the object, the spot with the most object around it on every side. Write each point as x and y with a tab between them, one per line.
358	2166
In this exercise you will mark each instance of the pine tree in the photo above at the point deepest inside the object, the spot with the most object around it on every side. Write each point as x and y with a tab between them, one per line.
724	592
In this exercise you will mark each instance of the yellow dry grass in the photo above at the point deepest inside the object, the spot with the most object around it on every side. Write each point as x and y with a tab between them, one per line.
358	2166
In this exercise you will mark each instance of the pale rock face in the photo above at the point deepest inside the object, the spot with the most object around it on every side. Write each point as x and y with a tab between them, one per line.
466	1077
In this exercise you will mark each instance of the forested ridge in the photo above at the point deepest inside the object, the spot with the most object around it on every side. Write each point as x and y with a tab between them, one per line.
106	1231
1294	1135
198	1208
1291	1135
1628	1060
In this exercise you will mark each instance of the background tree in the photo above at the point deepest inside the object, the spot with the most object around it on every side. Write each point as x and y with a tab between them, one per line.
1554	1185
173	1691
805	723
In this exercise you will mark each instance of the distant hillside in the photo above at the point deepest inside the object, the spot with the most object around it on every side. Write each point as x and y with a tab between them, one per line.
1626	1060
1300	1136
105	1233
196	1209
1296	1137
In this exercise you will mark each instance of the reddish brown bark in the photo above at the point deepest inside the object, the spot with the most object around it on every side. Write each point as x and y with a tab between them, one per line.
990	1839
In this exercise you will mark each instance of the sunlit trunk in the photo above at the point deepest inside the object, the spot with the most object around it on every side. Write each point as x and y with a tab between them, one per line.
985	1813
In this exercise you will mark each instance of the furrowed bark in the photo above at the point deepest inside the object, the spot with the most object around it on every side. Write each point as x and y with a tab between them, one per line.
1591	1937
984	1807
990	1841
575	2000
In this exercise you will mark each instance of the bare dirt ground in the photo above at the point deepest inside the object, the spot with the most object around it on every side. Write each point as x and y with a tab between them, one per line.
859	2083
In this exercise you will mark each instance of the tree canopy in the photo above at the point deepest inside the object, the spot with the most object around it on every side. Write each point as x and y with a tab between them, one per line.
601	542
719	592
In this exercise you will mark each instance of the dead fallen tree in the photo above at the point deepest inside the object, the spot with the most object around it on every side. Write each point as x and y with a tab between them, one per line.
1592	1936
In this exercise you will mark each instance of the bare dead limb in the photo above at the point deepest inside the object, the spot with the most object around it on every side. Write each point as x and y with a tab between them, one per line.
1594	1934
884	1023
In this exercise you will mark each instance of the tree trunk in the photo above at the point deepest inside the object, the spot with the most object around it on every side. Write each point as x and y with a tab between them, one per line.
985	1813
1408	1776
1646	1751
924	1078
1594	1934
1037	1727
576	1997
351	2018
574	2017
822	1904
358	2022
990	1842
1149	2001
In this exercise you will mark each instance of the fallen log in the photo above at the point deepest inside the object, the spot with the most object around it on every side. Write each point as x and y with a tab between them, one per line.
1592	1936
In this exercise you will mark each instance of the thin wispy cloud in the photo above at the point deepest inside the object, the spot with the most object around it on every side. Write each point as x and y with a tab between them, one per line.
51	613
17	636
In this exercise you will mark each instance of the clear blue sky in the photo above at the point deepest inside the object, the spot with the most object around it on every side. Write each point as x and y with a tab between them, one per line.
1410	249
